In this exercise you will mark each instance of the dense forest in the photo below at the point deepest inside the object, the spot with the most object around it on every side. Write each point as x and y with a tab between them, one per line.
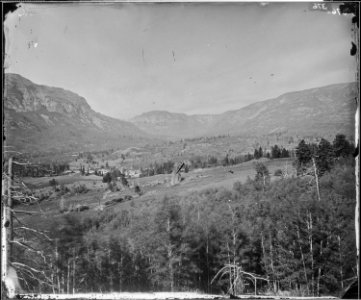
296	233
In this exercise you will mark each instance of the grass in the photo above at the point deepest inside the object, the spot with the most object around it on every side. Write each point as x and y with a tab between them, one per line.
153	188
41	182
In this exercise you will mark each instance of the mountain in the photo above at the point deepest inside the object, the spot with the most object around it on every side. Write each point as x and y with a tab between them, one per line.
48	119
170	125
42	118
319	111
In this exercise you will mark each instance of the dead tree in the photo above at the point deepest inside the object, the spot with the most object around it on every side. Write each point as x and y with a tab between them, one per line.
11	271
176	175
236	275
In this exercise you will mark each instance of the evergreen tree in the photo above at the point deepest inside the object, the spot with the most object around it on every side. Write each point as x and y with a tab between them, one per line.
324	156
285	153
303	153
341	146
275	152
256	154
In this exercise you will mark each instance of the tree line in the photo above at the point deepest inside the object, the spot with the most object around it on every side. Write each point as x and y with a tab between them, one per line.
39	170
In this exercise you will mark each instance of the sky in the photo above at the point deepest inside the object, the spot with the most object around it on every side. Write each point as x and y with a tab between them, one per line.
195	58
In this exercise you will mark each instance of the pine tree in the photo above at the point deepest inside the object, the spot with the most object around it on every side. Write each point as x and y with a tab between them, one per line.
341	146
276	152
324	156
303	153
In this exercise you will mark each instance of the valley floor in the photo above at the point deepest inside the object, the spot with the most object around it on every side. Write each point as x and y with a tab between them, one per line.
153	187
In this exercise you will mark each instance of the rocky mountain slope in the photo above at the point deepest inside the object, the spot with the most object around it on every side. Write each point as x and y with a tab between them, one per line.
46	118
42	118
318	111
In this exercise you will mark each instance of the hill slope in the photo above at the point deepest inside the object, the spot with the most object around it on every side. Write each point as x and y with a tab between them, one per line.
42	118
318	111
170	125
45	118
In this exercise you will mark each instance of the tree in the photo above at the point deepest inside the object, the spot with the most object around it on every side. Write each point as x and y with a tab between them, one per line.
82	170
225	161
285	153
137	189
124	180
275	152
341	146
324	156
20	254
53	183
262	174
107	178
303	153
169	231
256	154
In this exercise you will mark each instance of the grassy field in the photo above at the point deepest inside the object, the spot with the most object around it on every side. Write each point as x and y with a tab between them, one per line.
154	187
42	182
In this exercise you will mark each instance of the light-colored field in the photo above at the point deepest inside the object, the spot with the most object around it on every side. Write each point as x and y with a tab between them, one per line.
154	187
41	182
217	177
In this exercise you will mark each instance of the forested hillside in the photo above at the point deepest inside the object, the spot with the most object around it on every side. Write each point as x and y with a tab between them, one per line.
296	233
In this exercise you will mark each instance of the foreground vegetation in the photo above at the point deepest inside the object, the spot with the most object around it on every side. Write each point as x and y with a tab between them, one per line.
296	232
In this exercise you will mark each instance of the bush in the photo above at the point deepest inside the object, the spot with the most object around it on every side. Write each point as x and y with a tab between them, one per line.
124	181
43	197
63	189
137	190
53	183
278	172
113	186
80	189
107	178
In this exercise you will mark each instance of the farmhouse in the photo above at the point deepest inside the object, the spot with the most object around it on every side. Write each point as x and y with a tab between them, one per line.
102	172
132	173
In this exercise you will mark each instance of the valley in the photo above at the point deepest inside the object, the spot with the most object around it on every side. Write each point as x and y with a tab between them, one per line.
125	204
41	119
96	192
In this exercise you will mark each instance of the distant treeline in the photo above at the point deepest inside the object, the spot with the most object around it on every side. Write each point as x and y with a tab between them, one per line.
210	161
39	170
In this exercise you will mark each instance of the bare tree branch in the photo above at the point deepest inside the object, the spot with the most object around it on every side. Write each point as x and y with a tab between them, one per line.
30	271
35	231
227	269
28	247
20	163
23	279
24	266
27	212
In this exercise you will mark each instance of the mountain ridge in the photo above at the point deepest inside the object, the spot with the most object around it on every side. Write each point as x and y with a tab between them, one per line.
51	118
311	105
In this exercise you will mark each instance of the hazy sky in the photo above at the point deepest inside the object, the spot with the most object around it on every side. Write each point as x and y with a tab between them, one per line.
129	58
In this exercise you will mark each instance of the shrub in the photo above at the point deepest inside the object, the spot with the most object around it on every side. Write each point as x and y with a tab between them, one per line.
137	190
278	172
107	178
80	189
53	182
113	186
